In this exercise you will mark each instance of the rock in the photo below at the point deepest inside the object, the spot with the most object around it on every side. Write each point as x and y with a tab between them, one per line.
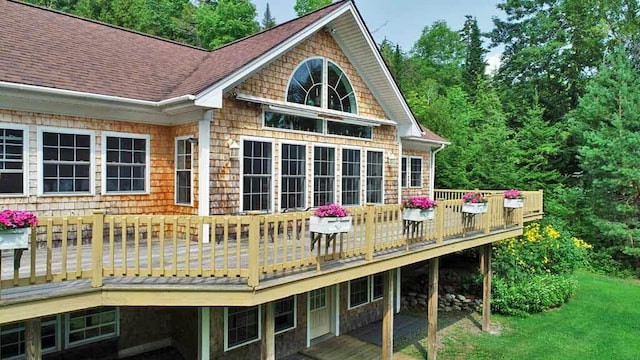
462	297
412	293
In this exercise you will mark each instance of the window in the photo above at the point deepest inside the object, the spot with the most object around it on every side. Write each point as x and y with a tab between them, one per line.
13	155
91	325
285	314
66	162
416	172
403	173
290	122
377	286
293	170
317	299
243	326
184	171
358	292
324	171
351	130
374	177
256	177
340	93
350	177
127	162
12	338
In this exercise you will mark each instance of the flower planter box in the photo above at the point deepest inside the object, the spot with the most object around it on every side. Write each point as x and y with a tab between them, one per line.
14	238
330	225
513	203
474	208
417	214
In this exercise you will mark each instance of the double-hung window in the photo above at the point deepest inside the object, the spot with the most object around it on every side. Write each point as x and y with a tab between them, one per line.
184	171
91	325
67	161
127	162
374	176
358	292
13	155
293	171
285	314
416	172
404	173
242	326
350	177
256	175
324	173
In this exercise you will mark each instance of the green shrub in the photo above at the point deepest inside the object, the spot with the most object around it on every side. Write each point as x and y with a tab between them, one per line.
535	294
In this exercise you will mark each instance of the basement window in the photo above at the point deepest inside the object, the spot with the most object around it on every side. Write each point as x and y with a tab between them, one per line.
285	314
242	326
86	326
12	338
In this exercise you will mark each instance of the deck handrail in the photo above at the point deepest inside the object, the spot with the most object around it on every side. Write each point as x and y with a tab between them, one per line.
247	247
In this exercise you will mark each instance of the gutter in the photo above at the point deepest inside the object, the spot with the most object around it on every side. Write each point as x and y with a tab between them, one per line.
432	180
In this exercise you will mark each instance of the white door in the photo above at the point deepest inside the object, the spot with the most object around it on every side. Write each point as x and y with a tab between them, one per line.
319	312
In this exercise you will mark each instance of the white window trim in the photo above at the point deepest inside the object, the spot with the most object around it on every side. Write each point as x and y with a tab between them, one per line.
147	173
324	61
25	158
306	171
67	330
226	329
92	160
374	299
409	177
175	169
384	173
363	175
337	177
368	277
295	315
273	167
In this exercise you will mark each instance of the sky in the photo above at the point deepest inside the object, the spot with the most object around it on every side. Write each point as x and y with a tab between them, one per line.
402	21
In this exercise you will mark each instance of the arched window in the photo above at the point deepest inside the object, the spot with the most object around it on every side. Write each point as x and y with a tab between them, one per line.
321	83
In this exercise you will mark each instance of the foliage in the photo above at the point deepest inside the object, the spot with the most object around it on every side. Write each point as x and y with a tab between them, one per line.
229	20
268	21
13	219
419	202
538	293
333	210
474	64
513	194
303	7
474	198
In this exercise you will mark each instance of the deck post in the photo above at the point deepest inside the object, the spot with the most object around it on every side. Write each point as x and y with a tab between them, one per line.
439	224
268	345
432	310
487	218
254	248
96	247
204	332
369	229
33	342
387	320
485	264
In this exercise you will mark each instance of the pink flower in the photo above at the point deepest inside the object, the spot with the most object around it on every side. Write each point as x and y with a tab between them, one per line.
419	202
513	194
13	219
474	198
333	210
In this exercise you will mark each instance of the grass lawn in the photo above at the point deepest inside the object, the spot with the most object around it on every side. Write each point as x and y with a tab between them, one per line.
602	321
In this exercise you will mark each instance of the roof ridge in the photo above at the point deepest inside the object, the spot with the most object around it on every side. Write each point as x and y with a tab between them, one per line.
97	22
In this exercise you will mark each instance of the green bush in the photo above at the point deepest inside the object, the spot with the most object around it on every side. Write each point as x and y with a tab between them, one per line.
536	294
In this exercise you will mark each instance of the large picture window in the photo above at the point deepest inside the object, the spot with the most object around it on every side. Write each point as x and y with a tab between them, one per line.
91	325
66	162
256	175
184	172
350	177
293	170
243	326
324	173
374	177
127	162
12	160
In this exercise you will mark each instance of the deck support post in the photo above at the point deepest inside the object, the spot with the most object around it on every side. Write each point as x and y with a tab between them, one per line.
254	248
485	267
96	247
33	342
204	333
439	224
388	280
368	231
268	345
432	310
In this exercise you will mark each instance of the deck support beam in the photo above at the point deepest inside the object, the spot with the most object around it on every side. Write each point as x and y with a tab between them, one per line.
388	280
432	309
204	333
268	345
33	343
485	268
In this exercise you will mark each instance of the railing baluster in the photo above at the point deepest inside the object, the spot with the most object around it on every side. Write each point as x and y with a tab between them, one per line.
123	235
78	247
32	240
200	244
136	245
64	237
112	239
149	245
175	246
161	239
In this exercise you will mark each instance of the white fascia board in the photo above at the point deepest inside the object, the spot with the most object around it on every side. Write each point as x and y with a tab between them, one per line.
314	112
421	144
383	67
214	92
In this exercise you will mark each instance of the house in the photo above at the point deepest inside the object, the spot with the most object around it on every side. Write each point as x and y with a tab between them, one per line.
170	182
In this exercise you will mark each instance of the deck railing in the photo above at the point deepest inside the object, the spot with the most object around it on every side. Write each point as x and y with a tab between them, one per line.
244	247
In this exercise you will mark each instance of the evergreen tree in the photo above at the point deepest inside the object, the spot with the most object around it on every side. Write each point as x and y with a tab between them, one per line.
303	7
268	21
474	64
